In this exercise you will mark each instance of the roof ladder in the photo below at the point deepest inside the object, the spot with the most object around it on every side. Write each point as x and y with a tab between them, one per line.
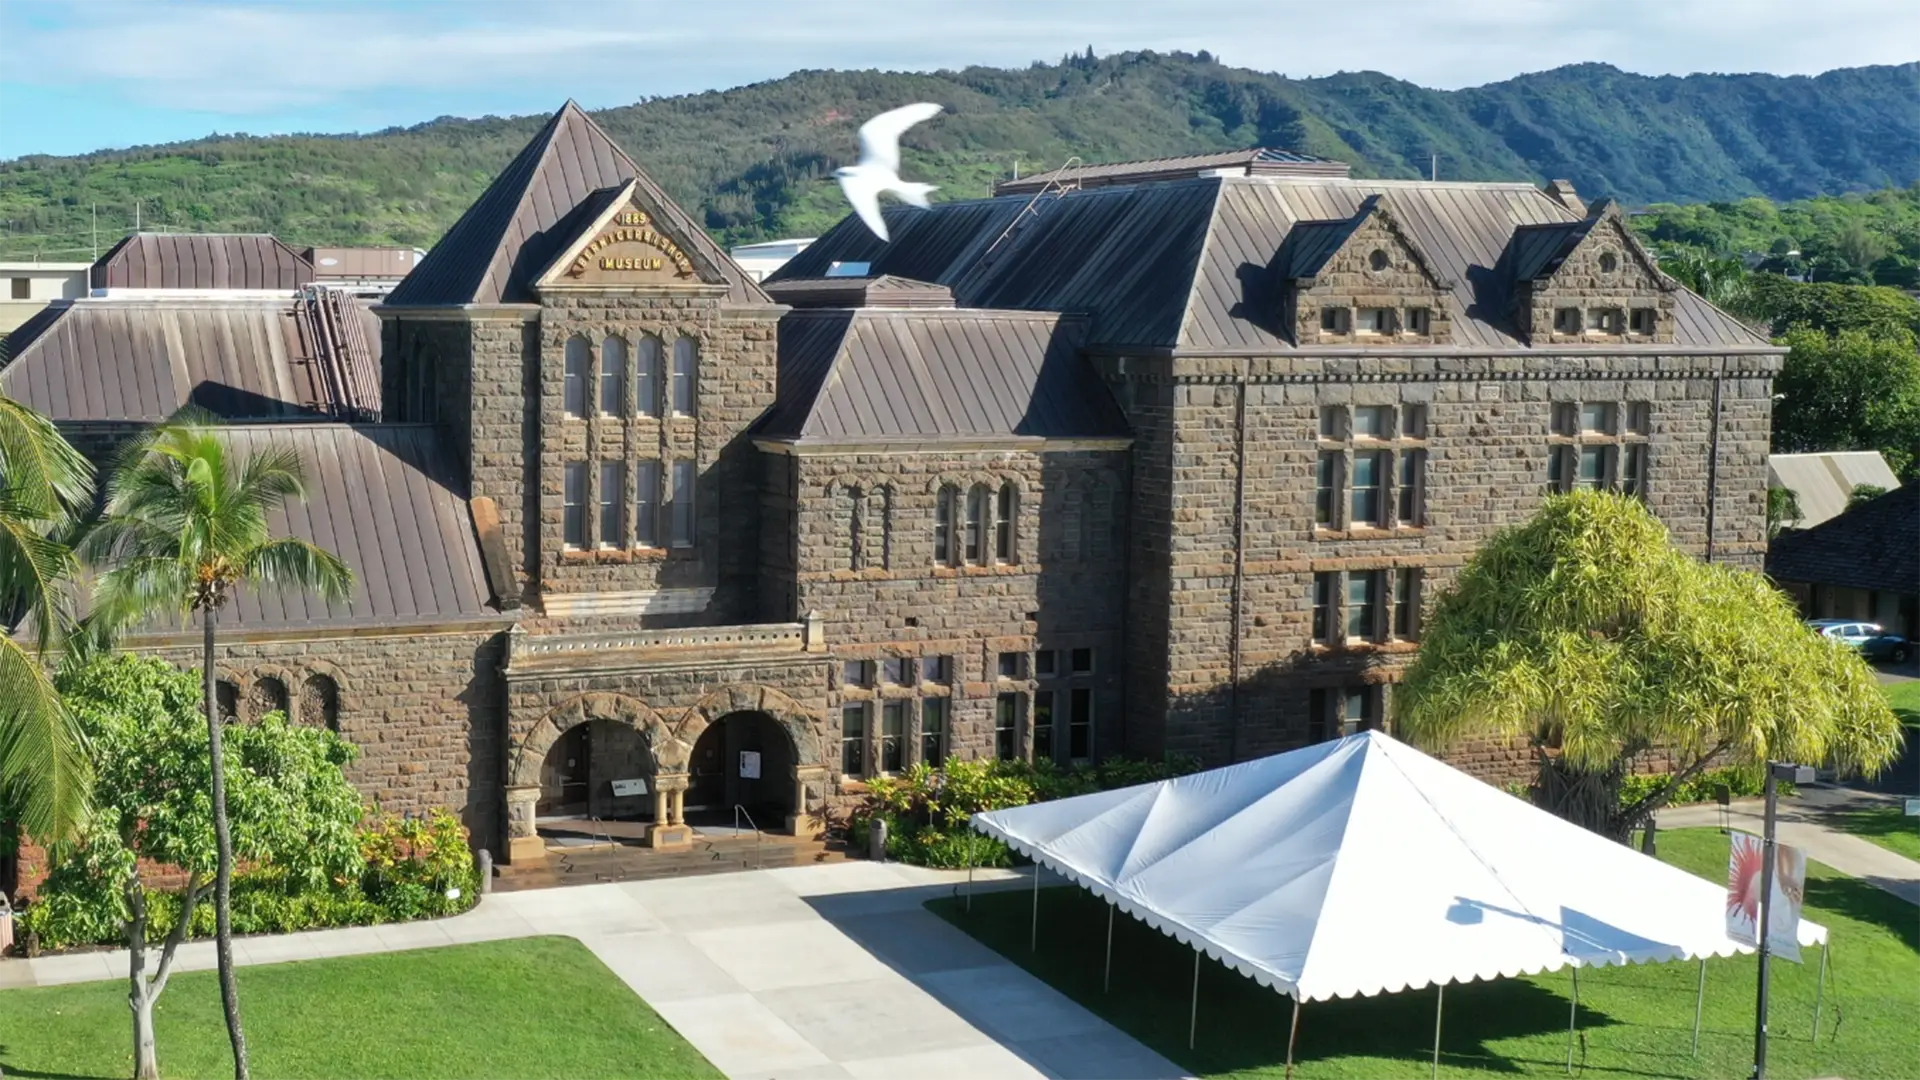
1057	184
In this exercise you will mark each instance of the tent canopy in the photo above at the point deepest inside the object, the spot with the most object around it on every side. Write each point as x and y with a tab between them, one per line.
1363	866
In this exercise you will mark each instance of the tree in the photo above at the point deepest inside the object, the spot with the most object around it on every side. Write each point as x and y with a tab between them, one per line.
1721	282
1850	391
289	807
1783	510
1864	493
44	484
1587	633
185	525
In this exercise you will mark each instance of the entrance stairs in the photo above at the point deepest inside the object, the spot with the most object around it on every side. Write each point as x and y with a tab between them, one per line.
575	863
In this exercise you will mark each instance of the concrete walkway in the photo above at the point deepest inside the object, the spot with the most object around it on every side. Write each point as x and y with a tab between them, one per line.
1801	822
821	971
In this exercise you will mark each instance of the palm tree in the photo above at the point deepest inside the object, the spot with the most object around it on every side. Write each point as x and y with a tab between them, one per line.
185	525
44	484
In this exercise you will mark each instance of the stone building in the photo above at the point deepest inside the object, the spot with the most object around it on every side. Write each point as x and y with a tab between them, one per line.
1167	464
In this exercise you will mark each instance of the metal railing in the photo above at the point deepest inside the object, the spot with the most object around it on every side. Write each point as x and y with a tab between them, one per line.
759	838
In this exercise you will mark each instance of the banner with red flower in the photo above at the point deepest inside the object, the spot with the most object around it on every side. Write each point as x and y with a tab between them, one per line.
1744	865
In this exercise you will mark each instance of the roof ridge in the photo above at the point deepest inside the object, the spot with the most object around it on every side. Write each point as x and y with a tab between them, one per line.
1196	274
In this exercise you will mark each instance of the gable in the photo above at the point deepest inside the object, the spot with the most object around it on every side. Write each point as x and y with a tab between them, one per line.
623	243
1598	253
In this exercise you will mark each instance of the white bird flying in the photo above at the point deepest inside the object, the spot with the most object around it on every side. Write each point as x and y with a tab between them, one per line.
878	170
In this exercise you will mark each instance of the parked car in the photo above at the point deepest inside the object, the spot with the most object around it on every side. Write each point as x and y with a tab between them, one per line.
1873	642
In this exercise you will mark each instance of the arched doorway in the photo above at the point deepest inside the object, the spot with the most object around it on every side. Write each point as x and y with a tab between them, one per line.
578	773
743	759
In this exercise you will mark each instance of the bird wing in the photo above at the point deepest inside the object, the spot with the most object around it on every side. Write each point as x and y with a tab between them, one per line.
862	190
880	136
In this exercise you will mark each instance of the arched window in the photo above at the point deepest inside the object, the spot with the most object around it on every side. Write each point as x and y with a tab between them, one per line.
646	388
269	695
880	526
320	702
227	700
979	514
613	376
946	517
578	372
1004	549
855	502
685	355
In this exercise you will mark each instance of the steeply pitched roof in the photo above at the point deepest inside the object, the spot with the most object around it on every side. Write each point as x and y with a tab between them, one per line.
1823	483
870	375
141	360
518	225
1875	545
1258	161
201	261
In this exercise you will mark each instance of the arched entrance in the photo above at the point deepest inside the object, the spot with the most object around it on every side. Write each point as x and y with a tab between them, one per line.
744	759
579	771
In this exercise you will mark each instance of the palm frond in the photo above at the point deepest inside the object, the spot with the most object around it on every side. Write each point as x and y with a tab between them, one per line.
38	463
43	757
138	590
33	569
296	563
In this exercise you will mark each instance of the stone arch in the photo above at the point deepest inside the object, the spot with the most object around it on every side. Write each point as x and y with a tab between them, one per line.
636	714
803	727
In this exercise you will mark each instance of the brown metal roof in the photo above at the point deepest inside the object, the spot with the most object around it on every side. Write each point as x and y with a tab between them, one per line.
1875	545
1257	161
361	262
937	245
201	261
140	360
869	374
887	290
530	212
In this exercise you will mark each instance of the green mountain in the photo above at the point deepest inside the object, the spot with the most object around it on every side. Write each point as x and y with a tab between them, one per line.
755	160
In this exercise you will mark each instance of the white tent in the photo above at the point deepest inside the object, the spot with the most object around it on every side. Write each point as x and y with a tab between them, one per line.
1363	866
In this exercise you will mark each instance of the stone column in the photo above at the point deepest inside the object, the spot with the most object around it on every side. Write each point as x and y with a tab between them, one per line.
669	829
680	807
523	841
660	804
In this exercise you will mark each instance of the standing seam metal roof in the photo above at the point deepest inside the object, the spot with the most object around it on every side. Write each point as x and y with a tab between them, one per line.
201	261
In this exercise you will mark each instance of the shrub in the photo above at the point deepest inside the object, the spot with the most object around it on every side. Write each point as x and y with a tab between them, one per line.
418	867
1743	781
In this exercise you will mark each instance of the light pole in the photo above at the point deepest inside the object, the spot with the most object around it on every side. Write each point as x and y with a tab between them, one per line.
1776	772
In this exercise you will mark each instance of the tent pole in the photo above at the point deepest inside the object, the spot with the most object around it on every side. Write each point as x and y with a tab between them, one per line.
1820	990
969	884
1193	1018
1108	985
1293	1032
1035	945
1699	1003
1439	1002
1573	1013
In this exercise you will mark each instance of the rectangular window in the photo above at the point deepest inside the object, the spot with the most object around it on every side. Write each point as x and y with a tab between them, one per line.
943	512
853	739
576	504
1080	723
1334	320
1006	727
1412	487
1418	320
1043	726
1356	710
681	504
1043	663
936	669
1639	418
613	480
1319	715
1363	597
1603	320
576	379
684	397
856	673
977	525
1566	419
1013	665
1566	320
1633	470
1375	320
1003	525
1596	418
1643	321
1373	422
1333	422
1413	421
646	504
1406	604
1326	488
1323	586
1560	468
933	730
646	389
1082	660
613	376
893	736
1593	468
1369	473
897	670
22	288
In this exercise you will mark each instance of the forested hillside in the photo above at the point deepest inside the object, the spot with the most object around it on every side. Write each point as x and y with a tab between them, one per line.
754	160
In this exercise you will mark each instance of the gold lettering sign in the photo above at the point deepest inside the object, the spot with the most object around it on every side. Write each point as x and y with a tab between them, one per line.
632	227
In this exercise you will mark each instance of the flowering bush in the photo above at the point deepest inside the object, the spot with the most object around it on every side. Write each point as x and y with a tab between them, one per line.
418	867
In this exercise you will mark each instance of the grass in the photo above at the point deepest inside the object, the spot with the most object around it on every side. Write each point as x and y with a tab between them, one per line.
533	1007
1887	826
1636	1022
1905	699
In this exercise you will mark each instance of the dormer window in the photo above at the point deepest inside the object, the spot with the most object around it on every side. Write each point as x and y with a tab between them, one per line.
1375	320
1642	321
1603	320
1419	320
1566	320
1335	320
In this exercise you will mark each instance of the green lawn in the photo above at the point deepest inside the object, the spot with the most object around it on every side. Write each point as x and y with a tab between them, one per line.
1636	1021
1905	699
1887	826
534	1007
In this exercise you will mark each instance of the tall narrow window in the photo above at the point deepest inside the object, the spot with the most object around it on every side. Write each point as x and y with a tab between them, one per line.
977	511
933	730
685	353
575	503
1326	488
945	509
613	480
613	376
1411	488
856	501
1368	474
1633	470
1593	468
1043	725
1003	524
646	504
1006	727
1319	715
1080	723
893	736
1323	586
1363	597
1356	711
646	389
853	739
681	504
578	359
1333	422
1406	604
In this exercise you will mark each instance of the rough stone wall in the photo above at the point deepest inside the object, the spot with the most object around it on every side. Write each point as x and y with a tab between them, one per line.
1349	281
1582	282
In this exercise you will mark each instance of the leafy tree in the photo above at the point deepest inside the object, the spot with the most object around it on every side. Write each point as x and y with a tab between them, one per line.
289	807
1722	282
1875	310
185	525
1864	493
1783	510
44	483
1587	633
1850	391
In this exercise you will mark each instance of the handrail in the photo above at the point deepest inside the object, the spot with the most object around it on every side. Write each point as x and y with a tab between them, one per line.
759	838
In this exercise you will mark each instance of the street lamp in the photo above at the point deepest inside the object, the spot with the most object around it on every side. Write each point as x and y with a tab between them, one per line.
1776	772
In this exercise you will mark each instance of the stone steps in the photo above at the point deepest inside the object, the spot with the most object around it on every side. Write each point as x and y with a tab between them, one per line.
589	865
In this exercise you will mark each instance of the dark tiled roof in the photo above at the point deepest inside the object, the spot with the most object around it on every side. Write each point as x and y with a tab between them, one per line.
1257	161
201	261
140	360
533	208
869	374
1875	545
886	290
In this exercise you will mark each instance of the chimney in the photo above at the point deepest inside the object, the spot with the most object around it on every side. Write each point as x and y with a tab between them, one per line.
1561	191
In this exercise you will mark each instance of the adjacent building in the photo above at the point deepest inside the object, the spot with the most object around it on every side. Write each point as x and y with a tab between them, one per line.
1862	563
31	285
1164	464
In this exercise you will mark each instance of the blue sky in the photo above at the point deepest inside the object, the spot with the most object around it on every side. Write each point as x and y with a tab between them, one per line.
106	73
